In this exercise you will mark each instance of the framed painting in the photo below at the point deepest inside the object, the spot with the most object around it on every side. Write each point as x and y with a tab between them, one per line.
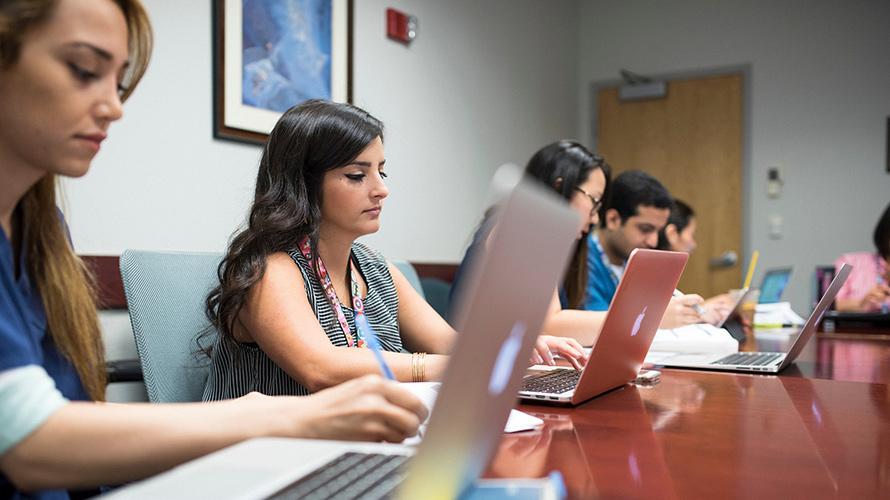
269	55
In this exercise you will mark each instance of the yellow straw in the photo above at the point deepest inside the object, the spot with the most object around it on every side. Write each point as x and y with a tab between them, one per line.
751	267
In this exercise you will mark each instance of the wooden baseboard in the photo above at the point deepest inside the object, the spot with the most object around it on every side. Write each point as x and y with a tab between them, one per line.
106	269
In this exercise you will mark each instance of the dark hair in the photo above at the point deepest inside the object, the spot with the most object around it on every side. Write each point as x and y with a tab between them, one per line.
572	163
633	189
882	234
681	213
308	140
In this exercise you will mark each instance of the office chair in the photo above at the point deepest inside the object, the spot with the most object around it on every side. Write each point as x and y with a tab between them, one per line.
438	294
822	278
165	295
408	270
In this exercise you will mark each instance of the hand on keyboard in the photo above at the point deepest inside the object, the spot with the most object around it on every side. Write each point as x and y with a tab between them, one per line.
567	348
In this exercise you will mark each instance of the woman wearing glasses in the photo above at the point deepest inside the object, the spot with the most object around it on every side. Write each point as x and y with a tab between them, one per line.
582	178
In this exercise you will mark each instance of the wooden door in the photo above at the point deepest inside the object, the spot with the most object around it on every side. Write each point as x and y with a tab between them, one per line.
691	140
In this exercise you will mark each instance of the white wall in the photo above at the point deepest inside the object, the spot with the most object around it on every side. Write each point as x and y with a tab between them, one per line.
478	87
820	97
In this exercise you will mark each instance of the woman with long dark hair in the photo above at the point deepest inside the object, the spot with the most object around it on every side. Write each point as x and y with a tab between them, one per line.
294	280
582	179
66	66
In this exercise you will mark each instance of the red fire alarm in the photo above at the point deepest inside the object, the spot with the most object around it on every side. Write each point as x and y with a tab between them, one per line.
400	26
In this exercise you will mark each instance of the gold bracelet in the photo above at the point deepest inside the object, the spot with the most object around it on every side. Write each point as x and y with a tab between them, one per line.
414	372
422	363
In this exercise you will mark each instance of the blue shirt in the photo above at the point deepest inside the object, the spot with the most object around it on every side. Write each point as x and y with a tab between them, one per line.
24	341
601	280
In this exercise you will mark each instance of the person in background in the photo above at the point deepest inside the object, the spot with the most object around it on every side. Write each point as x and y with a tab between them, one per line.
868	287
637	209
295	283
582	179
66	66
678	235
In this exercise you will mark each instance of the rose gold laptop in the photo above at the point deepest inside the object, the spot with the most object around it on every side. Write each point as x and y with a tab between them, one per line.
643	294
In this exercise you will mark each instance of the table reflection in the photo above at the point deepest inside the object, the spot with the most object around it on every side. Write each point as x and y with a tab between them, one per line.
598	454
714	435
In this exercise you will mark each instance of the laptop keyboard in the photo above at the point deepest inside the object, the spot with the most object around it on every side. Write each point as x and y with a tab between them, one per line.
552	382
749	359
351	475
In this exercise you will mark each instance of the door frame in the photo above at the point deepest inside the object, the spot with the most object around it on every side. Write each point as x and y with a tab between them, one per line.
743	69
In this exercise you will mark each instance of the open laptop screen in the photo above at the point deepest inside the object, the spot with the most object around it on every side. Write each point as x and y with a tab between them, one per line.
773	285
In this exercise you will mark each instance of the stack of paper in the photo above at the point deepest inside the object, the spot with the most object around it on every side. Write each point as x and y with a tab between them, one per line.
699	338
776	315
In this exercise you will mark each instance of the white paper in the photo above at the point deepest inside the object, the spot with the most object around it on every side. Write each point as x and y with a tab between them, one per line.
779	313
698	338
427	392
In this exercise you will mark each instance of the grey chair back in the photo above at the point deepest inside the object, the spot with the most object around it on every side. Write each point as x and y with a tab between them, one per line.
165	296
408	270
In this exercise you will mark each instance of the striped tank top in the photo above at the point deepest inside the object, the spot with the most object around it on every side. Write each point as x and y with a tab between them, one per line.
239	368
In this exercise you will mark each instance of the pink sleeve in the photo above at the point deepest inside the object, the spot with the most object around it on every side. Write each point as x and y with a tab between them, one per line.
861	279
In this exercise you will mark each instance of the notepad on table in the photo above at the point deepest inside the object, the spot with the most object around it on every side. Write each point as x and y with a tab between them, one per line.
427	392
698	338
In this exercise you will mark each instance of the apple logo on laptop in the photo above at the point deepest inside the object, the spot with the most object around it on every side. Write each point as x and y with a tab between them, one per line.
503	365
638	322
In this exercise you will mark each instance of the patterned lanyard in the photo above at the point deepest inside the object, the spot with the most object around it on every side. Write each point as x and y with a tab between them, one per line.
605	259
357	304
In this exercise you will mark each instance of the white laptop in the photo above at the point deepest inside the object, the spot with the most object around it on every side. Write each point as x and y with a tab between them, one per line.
637	307
763	362
500	313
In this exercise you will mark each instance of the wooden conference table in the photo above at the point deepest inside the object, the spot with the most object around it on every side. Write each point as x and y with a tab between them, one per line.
821	429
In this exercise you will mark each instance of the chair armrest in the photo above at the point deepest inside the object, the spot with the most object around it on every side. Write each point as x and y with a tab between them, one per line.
124	370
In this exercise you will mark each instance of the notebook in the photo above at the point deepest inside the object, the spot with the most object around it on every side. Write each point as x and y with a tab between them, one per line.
643	294
500	314
763	362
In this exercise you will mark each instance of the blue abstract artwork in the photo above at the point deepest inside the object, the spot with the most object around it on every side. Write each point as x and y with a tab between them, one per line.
286	52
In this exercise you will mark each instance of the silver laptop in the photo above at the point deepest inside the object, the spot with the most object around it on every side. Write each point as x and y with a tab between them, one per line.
637	307
500	313
763	362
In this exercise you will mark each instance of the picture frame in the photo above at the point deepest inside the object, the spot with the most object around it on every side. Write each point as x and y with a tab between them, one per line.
285	52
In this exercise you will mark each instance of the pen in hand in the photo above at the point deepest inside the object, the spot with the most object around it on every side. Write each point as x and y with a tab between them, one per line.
698	309
364	326
361	323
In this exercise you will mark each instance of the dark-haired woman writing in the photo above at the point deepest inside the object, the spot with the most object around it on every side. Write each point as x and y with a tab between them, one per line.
295	279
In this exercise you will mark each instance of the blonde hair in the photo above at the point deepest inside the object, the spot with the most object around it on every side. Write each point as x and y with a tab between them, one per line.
66	286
